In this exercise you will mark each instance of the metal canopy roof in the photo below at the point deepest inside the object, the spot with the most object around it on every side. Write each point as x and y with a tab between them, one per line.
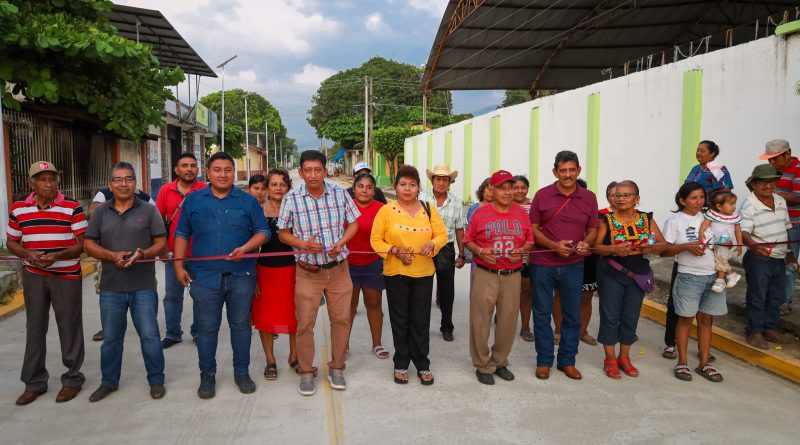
151	27
565	44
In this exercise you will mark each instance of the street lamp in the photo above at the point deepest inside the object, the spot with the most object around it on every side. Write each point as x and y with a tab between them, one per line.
222	65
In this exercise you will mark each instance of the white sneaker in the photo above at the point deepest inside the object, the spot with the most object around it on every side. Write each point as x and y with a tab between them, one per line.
719	285
731	279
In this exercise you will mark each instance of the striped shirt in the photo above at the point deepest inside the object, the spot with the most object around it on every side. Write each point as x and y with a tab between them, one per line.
451	211
790	183
51	229
501	232
324	216
766	225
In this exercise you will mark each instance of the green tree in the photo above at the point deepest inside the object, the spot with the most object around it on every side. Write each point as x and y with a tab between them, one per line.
337	111
390	142
259	109
65	52
514	97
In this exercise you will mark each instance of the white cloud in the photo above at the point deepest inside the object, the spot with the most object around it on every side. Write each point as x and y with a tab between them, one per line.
312	75
433	7
271	27
374	22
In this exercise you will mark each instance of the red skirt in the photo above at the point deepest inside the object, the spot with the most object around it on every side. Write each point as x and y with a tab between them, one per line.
274	310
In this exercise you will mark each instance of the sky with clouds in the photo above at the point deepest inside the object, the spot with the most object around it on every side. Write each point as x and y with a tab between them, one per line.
285	48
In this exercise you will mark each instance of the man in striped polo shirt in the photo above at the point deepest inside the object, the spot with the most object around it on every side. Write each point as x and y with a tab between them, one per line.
46	231
779	155
765	219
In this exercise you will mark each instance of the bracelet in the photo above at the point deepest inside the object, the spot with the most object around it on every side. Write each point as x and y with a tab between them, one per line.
462	256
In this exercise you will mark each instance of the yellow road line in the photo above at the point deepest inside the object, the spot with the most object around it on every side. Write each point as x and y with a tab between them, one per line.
333	414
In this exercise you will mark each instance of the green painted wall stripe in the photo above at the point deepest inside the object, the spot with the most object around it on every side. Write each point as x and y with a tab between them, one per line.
533	155
416	152
690	123
467	196
448	148
593	141
494	145
430	151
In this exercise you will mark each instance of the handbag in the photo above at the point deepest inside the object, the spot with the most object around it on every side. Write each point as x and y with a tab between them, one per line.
645	281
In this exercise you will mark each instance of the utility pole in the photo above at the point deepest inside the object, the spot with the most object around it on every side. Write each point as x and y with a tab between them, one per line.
424	112
266	140
275	147
222	65
366	119
280	144
246	140
370	151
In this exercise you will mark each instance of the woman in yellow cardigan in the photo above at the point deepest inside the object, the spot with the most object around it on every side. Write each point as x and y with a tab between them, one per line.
407	233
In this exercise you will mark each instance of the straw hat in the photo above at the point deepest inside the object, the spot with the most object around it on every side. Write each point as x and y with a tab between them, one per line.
442	170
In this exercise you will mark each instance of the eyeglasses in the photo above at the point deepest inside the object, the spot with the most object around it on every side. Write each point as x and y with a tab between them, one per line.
126	179
623	195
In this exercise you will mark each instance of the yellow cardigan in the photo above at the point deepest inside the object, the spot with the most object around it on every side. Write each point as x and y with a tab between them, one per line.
393	226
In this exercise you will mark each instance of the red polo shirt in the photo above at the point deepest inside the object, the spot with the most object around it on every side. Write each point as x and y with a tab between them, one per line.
169	198
570	223
49	229
790	183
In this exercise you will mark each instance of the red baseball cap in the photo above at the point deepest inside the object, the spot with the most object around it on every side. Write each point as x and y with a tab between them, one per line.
500	177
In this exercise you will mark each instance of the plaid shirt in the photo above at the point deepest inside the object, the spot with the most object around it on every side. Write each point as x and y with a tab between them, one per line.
790	183
324	216
451	211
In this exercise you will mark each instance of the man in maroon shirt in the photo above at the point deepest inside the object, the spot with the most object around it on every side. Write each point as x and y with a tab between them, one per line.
564	218
169	204
498	235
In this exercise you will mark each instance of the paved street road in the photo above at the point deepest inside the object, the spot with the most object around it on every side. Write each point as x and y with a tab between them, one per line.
751	406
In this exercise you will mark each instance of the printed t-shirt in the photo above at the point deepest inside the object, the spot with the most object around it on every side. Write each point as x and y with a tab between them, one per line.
501	232
682	228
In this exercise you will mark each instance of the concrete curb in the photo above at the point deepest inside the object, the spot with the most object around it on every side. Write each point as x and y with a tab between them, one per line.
735	345
17	302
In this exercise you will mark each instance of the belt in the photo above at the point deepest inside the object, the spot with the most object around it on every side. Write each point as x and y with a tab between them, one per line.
501	272
314	268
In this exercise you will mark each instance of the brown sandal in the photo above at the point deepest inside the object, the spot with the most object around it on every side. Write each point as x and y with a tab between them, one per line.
271	371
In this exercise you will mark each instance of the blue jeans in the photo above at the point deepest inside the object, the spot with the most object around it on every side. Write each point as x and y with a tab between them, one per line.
173	303
765	292
620	305
236	292
114	307
569	282
794	234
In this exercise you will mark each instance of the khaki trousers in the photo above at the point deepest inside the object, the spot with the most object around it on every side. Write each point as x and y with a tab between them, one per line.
490	292
338	288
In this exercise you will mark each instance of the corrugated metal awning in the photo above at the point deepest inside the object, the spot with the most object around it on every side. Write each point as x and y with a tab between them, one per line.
151	27
565	44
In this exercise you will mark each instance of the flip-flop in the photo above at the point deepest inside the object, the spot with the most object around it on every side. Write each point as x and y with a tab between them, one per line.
380	352
403	373
527	335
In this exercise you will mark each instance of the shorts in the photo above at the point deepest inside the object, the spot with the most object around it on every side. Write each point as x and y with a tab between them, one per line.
721	263
369	276
693	294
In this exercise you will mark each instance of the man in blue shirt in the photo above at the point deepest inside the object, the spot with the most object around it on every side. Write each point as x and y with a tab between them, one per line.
221	220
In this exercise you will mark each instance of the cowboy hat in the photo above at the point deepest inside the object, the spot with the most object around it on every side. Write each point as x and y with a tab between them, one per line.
442	170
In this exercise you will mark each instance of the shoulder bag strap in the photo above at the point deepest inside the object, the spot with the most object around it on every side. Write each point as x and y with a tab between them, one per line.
566	201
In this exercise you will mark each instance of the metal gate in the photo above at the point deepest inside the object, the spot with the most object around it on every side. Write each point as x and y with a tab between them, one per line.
82	156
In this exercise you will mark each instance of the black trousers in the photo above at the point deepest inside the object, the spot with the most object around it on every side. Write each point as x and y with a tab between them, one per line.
409	301
672	317
65	296
445	262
